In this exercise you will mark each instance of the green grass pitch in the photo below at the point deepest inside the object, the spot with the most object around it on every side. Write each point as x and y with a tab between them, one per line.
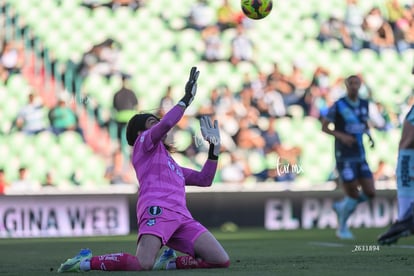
252	252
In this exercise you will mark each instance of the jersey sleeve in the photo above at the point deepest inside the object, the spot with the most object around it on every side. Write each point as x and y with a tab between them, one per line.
158	131
203	178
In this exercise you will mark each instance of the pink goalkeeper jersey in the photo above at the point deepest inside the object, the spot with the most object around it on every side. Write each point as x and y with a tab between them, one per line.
161	180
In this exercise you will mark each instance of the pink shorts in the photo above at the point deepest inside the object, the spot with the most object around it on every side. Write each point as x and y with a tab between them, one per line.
175	230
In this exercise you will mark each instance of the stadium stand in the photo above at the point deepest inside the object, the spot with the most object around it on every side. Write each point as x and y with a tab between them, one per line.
157	50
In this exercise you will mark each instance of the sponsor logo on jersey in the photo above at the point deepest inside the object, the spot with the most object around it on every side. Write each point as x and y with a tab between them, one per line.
151	222
155	210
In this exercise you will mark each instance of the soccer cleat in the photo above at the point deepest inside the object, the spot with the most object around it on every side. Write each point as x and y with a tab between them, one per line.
344	234
397	230
73	264
164	259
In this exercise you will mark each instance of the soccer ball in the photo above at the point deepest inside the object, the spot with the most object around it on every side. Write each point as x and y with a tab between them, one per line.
256	9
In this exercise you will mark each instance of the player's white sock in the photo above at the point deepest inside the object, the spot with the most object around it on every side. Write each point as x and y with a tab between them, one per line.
171	265
85	265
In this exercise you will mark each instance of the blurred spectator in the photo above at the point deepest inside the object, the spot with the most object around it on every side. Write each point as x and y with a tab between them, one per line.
272	103
226	103
404	31
242	48
92	4
119	170
258	85
273	143
62	118
102	59
298	83
297	78
201	15
132	4
277	81
210	106
245	107
379	116
394	10
383	38
335	29
354	19
309	102
212	44
4	184
248	137
316	98
125	104
376	30
48	182
227	16
23	183
12	57
167	102
383	171
319	92
31	118
237	170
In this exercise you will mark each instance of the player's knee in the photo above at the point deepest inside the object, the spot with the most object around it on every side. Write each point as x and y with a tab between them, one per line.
146	264
224	262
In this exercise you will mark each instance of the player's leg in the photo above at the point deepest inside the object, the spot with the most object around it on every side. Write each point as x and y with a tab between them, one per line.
405	181
404	226
154	227
345	207
207	248
202	249
147	250
208	253
401	228
366	181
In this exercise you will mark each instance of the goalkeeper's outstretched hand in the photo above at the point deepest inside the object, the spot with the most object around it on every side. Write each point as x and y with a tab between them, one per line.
211	133
190	87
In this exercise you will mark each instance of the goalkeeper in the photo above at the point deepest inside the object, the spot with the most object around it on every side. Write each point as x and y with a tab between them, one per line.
162	214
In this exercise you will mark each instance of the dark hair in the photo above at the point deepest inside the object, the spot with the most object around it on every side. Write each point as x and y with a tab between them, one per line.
136	124
352	77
